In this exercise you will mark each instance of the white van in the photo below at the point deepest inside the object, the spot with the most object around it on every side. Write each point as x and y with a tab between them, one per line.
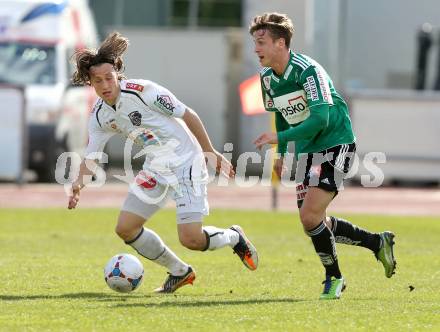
37	40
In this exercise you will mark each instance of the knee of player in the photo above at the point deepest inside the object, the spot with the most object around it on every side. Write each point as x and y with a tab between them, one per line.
124	232
120	231
308	217
191	242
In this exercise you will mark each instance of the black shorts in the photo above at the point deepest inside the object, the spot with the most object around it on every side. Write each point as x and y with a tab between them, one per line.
325	169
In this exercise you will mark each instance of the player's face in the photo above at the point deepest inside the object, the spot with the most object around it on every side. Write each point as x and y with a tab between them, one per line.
267	49
104	80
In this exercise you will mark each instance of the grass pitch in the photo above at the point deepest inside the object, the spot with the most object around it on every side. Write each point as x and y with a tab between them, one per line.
52	263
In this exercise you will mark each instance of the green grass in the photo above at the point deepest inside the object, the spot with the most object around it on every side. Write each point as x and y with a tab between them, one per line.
52	260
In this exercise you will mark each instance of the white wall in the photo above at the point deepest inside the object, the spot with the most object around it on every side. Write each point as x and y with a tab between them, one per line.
376	39
191	64
412	150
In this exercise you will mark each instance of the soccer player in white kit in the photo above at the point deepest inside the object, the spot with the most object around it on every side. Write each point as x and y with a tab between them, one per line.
173	140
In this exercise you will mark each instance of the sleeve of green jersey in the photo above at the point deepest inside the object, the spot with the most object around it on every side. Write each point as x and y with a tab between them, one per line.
281	125
315	83
317	121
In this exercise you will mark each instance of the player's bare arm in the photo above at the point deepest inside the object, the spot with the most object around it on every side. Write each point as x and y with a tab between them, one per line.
266	138
271	138
192	120
85	175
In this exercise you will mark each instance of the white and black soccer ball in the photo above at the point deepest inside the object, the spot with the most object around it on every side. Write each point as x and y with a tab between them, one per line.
124	273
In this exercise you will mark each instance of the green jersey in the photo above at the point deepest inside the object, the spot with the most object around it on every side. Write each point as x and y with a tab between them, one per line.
308	109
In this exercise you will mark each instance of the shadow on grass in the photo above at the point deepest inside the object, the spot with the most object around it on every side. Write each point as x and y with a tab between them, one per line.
91	296
168	300
191	303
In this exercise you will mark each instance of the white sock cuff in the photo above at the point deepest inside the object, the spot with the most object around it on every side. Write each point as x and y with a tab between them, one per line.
148	244
218	237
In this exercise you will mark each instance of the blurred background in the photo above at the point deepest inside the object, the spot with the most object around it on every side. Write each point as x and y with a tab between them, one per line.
383	57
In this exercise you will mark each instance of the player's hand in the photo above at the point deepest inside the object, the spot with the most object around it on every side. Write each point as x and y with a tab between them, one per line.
266	138
74	198
278	167
223	166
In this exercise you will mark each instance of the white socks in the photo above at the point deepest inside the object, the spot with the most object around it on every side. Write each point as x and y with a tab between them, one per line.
151	246
218	237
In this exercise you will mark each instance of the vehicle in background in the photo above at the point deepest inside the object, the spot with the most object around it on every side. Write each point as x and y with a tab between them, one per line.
37	40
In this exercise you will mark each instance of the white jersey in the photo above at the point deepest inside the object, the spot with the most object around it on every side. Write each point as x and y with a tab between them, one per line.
149	116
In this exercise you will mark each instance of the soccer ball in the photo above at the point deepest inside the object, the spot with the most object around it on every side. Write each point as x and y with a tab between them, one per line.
124	273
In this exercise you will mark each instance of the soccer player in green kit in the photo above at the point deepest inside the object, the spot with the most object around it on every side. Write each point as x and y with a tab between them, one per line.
310	112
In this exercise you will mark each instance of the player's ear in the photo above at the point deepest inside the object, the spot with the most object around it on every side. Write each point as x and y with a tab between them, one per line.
280	42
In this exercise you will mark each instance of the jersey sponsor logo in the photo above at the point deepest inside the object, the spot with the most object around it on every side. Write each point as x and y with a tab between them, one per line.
311	89
134	86
307	90
296	105
293	106
323	86
143	137
164	102
266	82
146	181
135	118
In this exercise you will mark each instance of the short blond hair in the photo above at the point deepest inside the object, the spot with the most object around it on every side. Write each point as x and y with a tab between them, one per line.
278	25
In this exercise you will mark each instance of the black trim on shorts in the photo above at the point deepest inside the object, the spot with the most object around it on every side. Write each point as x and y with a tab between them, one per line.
341	151
328	175
333	170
